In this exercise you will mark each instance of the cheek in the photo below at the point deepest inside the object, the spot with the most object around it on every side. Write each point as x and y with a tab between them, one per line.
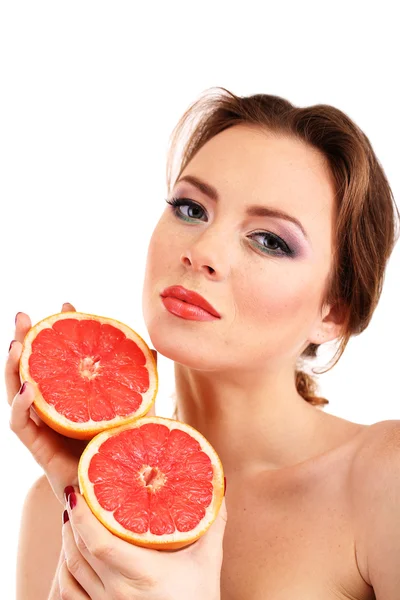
288	299
160	269
159	251
275	318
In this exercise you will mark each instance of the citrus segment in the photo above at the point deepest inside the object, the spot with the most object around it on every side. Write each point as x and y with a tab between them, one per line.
156	482
90	373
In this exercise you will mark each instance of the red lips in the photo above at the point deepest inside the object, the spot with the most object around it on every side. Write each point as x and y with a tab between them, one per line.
181	293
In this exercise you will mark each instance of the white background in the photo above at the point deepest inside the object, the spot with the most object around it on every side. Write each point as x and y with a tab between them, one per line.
90	92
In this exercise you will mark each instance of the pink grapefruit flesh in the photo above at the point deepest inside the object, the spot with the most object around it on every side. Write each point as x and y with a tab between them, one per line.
156	482
90	373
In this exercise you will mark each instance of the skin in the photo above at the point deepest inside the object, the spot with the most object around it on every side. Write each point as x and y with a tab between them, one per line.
272	304
300	483
82	559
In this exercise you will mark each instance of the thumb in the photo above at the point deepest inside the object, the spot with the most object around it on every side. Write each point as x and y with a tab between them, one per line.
210	544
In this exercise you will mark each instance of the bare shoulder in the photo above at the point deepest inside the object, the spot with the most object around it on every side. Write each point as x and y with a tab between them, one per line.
378	448
376	459
375	488
39	542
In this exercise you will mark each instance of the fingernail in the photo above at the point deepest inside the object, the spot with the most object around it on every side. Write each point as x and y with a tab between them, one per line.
16	317
68	490
65	517
72	500
11	345
23	386
224	485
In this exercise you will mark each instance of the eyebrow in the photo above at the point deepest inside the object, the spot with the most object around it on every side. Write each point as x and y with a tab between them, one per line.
252	211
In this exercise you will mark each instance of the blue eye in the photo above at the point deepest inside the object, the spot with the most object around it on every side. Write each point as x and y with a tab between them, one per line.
276	245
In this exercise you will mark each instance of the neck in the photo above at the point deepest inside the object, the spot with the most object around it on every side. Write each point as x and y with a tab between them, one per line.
254	421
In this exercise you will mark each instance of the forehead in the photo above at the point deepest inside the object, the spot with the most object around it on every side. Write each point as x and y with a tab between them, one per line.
260	162
248	165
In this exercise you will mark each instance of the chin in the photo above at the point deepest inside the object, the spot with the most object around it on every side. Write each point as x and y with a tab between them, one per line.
185	352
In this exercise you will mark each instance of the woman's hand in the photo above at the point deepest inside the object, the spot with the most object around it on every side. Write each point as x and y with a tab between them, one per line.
99	565
56	454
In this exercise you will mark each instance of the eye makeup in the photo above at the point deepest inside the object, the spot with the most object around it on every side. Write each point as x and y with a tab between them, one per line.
281	247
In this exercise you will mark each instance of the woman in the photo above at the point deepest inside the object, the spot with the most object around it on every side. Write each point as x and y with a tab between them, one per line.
283	220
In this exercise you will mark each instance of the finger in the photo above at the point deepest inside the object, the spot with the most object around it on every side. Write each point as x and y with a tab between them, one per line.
211	543
77	565
26	424
129	560
45	445
67	307
20	420
22	326
68	586
12	378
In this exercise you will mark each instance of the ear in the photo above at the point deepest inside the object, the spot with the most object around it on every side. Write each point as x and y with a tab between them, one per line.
330	325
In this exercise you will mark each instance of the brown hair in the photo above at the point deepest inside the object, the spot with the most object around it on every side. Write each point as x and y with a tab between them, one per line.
367	216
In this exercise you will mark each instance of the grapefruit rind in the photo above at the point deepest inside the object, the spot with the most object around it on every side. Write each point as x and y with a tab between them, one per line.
87	429
171	541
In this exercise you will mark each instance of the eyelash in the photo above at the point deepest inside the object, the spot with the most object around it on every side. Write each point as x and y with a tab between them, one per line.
285	250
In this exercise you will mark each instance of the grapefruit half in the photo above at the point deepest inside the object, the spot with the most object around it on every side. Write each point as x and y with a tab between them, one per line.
89	373
156	482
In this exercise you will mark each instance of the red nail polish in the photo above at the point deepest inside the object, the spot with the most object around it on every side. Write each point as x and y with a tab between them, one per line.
11	345
68	490
65	517
21	391
224	485
72	500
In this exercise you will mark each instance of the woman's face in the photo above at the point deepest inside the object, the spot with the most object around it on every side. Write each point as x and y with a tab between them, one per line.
262	273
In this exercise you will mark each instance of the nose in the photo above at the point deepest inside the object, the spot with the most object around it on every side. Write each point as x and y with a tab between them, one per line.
209	270
207	255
